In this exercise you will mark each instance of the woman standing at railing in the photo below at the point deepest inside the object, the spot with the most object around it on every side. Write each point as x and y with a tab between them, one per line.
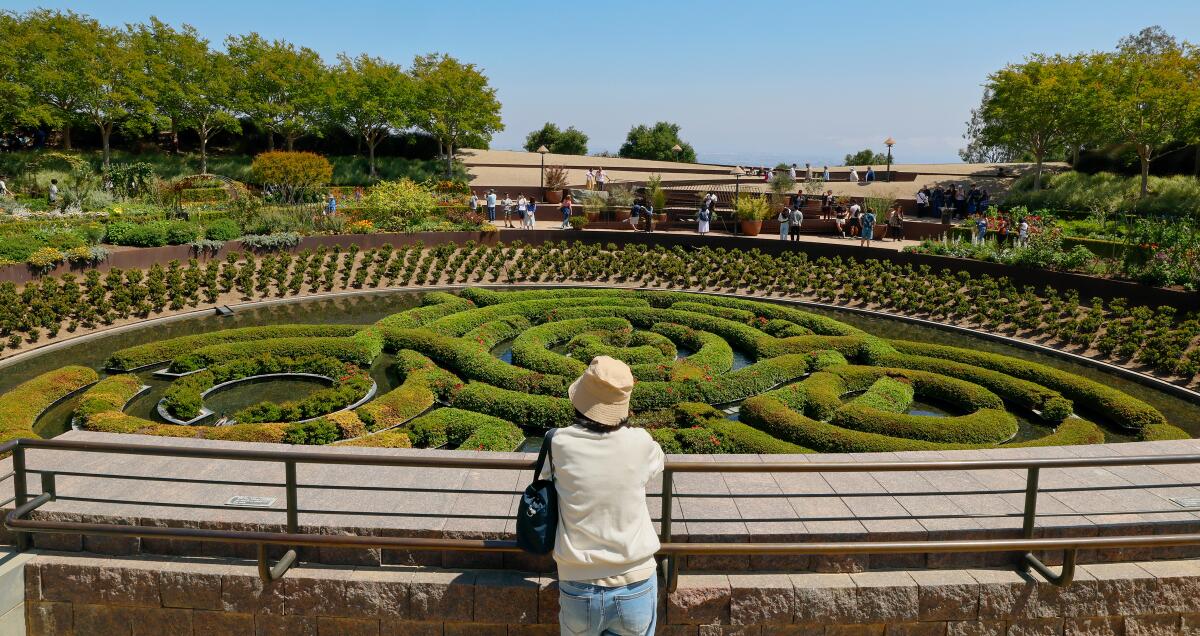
605	543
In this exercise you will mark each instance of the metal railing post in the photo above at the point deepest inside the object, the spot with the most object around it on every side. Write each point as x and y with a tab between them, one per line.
1031	493
293	514
48	487
670	563
20	492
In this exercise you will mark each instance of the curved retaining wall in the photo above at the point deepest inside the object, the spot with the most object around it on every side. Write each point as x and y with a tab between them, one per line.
1087	286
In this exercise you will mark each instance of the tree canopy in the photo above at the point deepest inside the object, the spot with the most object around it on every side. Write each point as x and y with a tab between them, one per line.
454	102
561	142
866	157
656	142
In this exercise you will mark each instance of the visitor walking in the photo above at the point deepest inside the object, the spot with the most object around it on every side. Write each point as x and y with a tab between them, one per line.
854	174
590	177
703	217
980	229
973	197
331	205
566	212
825	174
960	202
601	179
868	229
870	174
792	172
491	205
854	223
474	203
4	188
1023	233
1002	231
605	542
508	209
635	214
648	215
52	194
807	171
522	204
530	214
839	220
939	200
827	204
794	223
785	215
896	223
923	201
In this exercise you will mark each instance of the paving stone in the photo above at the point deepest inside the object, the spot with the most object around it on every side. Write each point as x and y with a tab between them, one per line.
242	593
265	625
1178	585
1035	627
441	596
331	591
916	628
761	599
1094	626
222	623
1005	594
190	589
102	619
1127	588
93	581
976	628
506	597
161	621
825	598
700	599
33	580
1168	625
885	597
946	595
47	618
409	628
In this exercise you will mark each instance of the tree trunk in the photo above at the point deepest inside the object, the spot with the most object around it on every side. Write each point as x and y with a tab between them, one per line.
105	133
174	136
291	143
270	141
449	160
371	156
66	131
1037	174
203	152
1144	156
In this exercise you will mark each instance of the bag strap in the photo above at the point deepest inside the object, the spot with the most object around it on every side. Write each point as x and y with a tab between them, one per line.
544	453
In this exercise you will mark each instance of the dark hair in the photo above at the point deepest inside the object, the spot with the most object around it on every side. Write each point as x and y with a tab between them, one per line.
593	425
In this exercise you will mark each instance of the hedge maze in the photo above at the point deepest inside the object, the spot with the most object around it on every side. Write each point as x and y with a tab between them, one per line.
801	382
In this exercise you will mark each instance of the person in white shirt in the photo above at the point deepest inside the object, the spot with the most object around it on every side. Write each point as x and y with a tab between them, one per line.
4	188
854	174
530	214
605	543
792	172
508	208
491	205
522	203
53	194
590	177
601	179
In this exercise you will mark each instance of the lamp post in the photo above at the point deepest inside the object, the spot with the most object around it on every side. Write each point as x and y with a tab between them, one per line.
737	173
889	142
542	150
676	149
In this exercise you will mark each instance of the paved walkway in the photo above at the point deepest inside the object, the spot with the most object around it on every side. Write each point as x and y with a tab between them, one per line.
709	506
773	236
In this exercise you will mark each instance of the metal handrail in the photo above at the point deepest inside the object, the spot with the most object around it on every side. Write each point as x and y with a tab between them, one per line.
670	552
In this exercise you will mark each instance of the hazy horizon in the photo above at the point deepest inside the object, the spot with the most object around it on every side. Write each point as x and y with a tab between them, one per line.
756	84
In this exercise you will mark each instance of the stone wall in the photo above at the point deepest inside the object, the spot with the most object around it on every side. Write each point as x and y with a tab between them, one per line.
81	595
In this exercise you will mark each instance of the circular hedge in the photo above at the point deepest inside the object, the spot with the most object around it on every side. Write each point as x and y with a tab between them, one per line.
802	382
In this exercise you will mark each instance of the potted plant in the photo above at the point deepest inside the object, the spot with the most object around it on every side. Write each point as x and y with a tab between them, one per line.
578	222
555	183
620	200
658	199
593	203
751	211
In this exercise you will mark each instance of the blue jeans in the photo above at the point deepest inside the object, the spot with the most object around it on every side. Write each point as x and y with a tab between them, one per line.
591	610
491	213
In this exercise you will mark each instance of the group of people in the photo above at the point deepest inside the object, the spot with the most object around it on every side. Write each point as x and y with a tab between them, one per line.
956	200
1006	232
526	209
596	179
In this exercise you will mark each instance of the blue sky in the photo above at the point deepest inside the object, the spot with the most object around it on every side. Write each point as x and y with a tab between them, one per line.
750	82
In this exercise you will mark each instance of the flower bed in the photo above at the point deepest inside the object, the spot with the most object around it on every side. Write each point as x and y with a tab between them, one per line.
814	384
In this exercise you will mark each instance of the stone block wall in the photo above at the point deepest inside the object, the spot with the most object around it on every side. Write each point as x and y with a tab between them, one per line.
82	595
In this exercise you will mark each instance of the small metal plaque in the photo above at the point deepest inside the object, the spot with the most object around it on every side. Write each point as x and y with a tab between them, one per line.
243	501
1187	502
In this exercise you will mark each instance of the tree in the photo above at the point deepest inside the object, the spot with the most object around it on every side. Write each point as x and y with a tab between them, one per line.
562	142
1149	93
115	90
454	103
282	87
979	151
193	86
656	142
54	64
866	157
1030	106
370	98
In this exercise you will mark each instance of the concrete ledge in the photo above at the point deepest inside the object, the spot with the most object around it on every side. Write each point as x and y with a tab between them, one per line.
83	594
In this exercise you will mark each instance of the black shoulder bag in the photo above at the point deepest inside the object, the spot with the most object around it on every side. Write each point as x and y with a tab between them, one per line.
537	517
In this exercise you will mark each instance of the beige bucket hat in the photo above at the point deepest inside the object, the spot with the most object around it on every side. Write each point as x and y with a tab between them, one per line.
602	392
